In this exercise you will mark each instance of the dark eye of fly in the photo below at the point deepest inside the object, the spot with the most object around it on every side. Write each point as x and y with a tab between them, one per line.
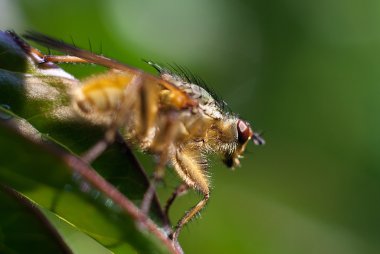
244	132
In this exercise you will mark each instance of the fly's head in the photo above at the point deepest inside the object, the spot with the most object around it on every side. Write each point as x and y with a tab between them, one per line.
234	134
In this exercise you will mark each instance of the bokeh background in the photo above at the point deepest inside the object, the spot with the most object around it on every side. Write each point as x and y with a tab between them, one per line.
305	72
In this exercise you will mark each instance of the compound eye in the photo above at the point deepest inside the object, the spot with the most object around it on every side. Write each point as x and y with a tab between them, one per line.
244	132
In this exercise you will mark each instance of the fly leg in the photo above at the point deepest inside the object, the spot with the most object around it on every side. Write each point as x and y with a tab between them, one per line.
148	196
179	191
162	145
189	215
188	165
109	137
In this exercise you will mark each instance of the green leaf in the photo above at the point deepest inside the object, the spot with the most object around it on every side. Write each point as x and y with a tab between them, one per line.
23	221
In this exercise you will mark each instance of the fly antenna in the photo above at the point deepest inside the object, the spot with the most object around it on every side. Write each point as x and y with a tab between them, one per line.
258	139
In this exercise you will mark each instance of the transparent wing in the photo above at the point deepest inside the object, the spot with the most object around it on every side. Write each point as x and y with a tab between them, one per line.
74	54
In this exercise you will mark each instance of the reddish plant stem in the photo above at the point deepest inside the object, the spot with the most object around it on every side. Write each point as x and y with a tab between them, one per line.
116	196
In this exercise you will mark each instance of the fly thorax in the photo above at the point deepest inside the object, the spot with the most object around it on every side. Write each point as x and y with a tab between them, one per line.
207	104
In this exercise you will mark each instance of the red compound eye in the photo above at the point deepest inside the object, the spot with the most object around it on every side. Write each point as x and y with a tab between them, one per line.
244	132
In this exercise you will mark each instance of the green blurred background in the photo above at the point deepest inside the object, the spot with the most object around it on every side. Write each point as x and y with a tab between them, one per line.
305	72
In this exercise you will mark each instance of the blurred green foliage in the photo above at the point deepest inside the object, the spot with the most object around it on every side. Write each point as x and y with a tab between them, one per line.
305	72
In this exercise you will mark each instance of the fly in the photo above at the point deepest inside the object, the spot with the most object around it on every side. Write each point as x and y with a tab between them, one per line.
172	116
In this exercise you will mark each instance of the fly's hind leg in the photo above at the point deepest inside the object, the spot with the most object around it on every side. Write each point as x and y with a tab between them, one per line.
118	120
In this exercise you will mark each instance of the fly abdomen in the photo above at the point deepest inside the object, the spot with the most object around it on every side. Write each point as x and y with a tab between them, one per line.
102	93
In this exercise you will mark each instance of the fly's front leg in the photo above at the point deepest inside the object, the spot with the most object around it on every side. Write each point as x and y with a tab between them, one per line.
188	164
190	215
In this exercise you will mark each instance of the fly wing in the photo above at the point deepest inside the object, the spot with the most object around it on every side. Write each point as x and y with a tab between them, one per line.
74	51
182	100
